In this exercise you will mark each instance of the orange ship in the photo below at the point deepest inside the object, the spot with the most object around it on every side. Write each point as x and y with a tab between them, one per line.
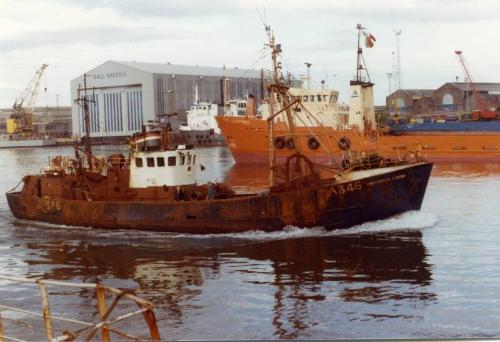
328	131
246	137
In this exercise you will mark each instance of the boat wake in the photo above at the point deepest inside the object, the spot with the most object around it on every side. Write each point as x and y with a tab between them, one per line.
409	220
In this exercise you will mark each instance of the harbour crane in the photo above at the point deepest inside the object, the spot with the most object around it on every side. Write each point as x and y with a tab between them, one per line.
21	119
483	110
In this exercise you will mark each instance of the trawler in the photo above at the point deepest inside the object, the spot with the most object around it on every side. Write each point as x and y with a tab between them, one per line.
155	187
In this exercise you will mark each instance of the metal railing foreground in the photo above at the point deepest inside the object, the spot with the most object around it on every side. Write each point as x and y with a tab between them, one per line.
88	330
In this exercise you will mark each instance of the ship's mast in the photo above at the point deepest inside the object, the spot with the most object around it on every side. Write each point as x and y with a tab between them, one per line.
84	102
360	59
88	144
278	91
270	123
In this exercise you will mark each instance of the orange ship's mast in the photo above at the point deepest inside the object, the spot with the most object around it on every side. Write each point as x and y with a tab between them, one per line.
360	59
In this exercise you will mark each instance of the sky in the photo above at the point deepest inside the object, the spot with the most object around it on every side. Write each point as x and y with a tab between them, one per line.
74	36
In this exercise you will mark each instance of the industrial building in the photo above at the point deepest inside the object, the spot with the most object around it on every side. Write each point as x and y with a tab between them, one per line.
53	122
125	95
451	97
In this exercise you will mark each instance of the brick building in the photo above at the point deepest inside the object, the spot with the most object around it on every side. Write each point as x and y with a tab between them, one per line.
450	98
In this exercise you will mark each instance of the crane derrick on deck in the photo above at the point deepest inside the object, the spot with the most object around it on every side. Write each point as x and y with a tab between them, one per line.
21	119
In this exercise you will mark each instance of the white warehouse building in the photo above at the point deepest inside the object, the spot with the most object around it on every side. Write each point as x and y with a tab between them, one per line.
125	95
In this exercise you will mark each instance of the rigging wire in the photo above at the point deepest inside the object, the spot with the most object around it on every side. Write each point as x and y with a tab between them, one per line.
262	54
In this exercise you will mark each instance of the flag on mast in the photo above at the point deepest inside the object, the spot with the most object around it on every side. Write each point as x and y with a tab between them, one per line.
369	39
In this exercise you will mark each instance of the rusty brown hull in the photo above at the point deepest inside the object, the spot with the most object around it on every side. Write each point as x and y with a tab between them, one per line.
366	196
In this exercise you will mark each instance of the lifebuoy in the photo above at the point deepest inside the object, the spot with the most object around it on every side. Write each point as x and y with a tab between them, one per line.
313	143
289	144
344	143
279	143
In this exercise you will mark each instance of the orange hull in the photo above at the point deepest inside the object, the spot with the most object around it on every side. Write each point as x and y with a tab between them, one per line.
248	141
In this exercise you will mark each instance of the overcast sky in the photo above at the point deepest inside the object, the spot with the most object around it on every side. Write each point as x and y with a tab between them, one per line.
73	36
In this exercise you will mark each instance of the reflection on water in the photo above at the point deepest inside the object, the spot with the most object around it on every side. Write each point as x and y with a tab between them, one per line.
423	274
298	275
453	169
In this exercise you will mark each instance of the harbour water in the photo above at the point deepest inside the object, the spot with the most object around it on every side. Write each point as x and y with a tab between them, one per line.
427	274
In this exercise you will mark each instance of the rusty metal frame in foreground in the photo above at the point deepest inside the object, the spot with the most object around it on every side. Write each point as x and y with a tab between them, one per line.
89	330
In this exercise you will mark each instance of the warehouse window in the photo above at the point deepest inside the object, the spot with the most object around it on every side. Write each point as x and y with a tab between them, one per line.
134	106
113	112
447	99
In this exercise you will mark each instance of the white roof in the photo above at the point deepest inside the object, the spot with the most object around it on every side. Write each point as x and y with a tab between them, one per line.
179	69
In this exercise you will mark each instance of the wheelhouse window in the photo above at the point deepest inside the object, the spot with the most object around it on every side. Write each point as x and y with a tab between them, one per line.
319	98
194	159
311	98
150	161
138	162
160	161
189	159
182	160
306	98
171	161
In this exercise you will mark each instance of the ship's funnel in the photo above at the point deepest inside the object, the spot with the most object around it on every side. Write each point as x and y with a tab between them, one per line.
251	106
361	106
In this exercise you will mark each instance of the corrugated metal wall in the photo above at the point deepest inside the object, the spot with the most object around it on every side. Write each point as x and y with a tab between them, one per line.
175	93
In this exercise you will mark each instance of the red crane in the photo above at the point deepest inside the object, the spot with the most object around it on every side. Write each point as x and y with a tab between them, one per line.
483	110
